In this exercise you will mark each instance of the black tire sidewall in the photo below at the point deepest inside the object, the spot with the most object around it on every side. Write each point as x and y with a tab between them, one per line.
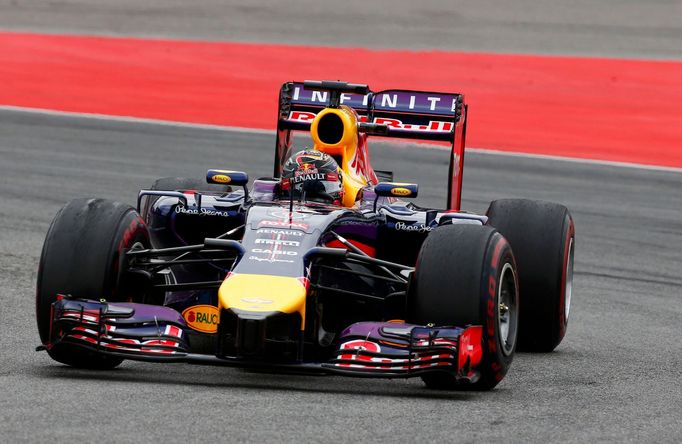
540	234
457	281
82	256
495	362
569	236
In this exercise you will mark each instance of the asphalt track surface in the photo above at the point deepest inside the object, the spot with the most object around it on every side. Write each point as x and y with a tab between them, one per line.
613	28
615	377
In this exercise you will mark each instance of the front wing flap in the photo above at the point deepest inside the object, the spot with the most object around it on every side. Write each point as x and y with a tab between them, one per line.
133	331
374	349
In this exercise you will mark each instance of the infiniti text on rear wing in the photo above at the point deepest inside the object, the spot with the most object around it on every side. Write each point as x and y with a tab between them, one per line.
407	114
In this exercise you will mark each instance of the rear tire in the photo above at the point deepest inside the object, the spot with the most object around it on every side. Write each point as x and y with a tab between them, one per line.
464	274
82	257
542	235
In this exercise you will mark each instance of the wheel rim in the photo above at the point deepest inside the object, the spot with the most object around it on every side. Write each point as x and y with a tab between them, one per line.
568	290
507	309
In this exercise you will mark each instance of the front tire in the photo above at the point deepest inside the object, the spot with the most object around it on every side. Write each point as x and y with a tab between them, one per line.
466	275
81	257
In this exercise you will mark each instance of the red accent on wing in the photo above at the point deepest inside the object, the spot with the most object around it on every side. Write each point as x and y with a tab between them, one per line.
470	347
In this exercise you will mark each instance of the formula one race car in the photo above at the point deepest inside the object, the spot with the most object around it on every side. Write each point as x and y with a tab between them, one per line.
323	267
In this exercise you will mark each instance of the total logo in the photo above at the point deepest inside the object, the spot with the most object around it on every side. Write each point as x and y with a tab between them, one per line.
203	318
282	223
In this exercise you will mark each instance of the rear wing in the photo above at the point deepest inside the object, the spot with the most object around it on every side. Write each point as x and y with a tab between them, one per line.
406	114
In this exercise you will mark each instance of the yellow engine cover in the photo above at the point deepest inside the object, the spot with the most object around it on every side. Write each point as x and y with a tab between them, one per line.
342	144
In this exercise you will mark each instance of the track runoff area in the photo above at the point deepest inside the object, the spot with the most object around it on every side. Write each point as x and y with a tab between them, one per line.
614	110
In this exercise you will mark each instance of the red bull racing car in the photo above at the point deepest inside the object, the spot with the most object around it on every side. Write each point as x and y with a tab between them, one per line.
327	266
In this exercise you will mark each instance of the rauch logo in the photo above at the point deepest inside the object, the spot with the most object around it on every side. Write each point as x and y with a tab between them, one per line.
203	318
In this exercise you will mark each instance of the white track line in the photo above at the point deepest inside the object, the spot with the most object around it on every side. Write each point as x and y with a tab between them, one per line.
235	129
129	119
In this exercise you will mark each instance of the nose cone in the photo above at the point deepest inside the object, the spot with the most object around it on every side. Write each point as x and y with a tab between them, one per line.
263	294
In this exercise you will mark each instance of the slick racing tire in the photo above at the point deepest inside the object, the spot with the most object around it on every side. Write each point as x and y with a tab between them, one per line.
542	235
180	183
81	257
466	275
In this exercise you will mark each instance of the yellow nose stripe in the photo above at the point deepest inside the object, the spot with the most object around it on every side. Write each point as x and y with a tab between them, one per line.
263	293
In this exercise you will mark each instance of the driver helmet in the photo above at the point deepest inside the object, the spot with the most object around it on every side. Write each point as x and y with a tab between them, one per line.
312	175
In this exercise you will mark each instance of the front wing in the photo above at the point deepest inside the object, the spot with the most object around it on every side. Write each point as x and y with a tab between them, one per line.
366	349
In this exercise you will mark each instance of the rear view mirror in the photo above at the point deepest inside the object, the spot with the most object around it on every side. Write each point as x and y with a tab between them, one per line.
226	177
396	189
